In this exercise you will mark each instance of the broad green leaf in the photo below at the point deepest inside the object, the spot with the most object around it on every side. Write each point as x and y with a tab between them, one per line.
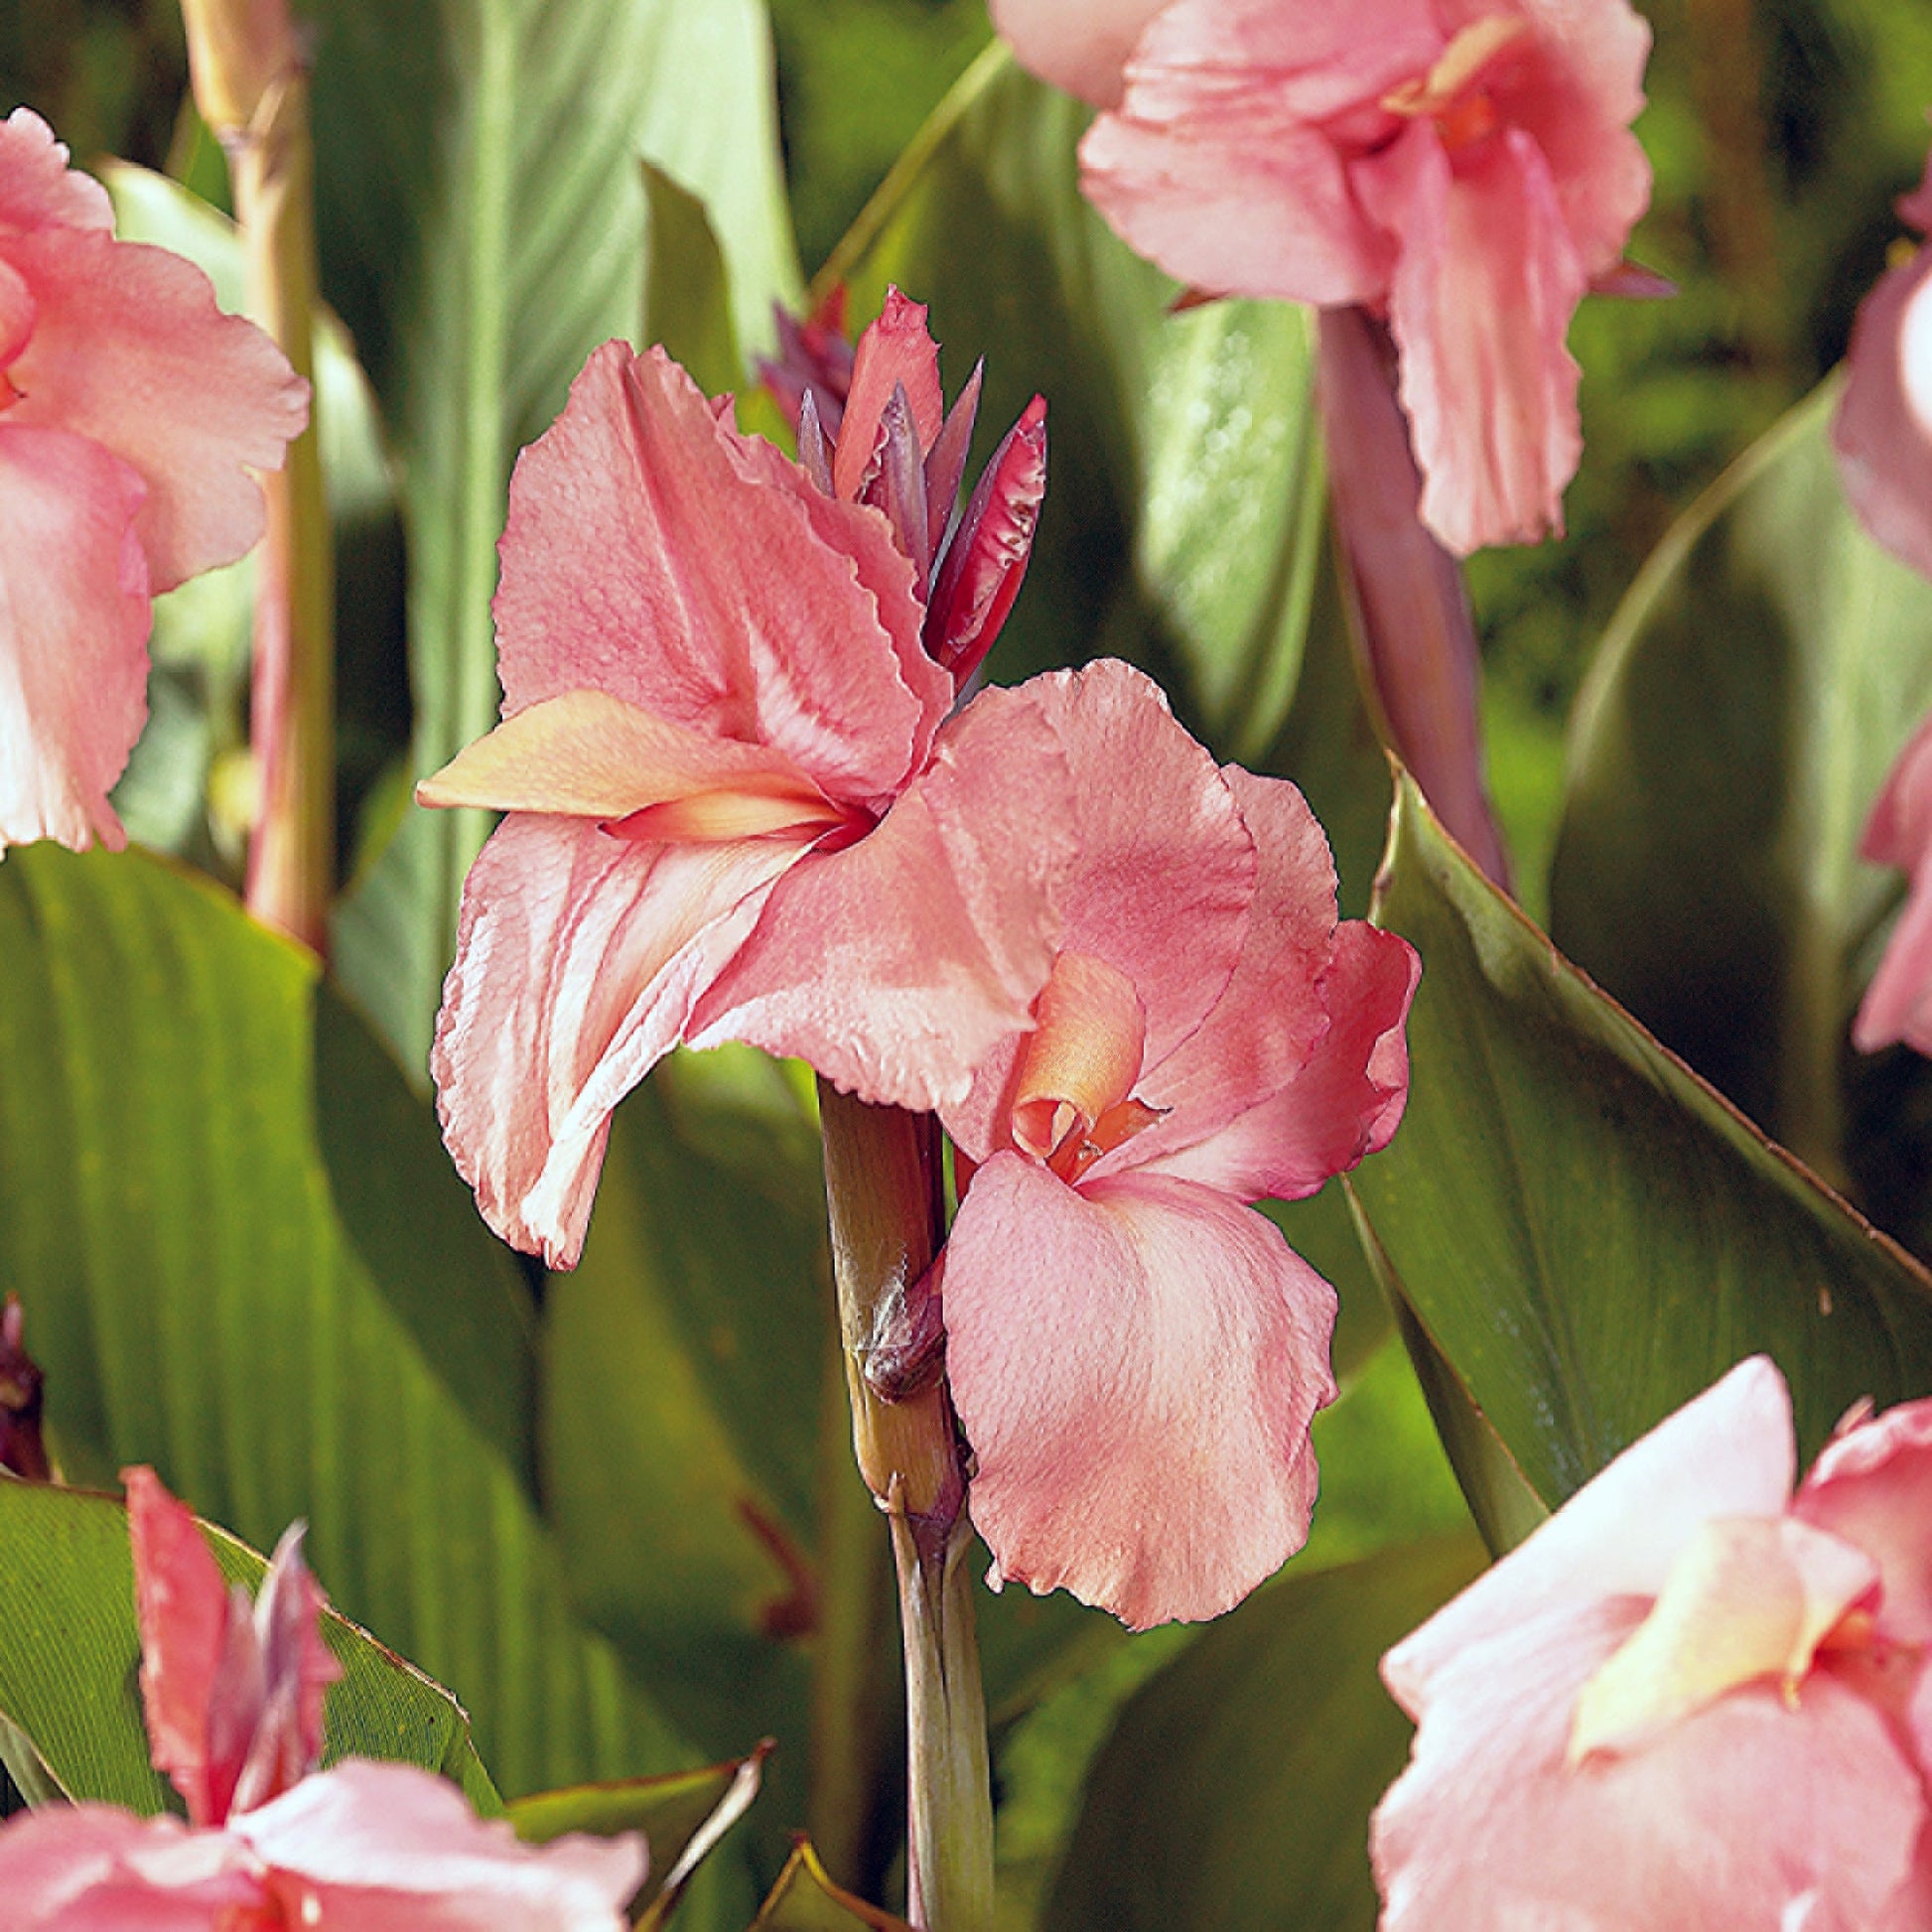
682	1817
246	1259
202	636
1750	697
481	210
1587	1232
687	287
1237	1787
69	1651
805	1900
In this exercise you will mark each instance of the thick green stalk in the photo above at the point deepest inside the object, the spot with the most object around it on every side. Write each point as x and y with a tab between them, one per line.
884	1196
252	88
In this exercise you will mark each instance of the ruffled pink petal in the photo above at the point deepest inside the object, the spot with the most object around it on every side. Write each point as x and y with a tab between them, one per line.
1136	1363
1078	45
579	959
182	1606
130	350
1165	872
1883	431
897	965
655	554
388	1847
1872	1487
93	1868
1415	627
1575	94
897	352
37	190
1729	1452
1301	1068
1756	1814
74	630
1484	285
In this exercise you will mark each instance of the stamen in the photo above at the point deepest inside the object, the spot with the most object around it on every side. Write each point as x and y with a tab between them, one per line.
1451	93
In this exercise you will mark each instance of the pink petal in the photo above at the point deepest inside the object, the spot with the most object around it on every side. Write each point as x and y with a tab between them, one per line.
130	350
655	554
1136	1363
1883	431
895	352
74	630
183	1608
1484	285
93	1868
1078	45
37	190
1749	1815
579	959
298	1668
898	964
1898	1003
1872	1487
388	1847
1227	161
1729	1452
1164	872
1301	1068
1576	95
1414	620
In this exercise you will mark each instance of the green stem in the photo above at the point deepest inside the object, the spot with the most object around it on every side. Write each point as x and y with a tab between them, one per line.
886	1207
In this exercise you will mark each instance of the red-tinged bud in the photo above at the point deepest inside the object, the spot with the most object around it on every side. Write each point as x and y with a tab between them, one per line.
814	360
21	1448
894	481
945	462
987	562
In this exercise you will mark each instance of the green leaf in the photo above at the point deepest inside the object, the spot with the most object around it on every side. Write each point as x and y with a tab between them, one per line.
246	1259
687	287
682	1817
1750	697
805	1900
69	1651
1588	1233
1237	1788
480	213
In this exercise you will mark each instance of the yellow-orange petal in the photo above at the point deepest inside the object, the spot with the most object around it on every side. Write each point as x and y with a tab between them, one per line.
1750	1600
1084	1056
1457	68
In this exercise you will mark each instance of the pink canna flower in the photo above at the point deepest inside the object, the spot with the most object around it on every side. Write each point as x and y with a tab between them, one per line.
131	410
234	1708
1692	1697
1135	1354
1898	1003
1883	431
733	810
1464	168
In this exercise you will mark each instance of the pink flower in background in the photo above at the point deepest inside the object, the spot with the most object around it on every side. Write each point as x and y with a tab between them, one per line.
1462	167
130	412
234	1708
1690	1699
1135	1354
733	810
1883	431
1898	1003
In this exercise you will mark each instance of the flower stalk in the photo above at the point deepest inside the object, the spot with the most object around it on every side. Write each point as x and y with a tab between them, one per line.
882	1184
251	86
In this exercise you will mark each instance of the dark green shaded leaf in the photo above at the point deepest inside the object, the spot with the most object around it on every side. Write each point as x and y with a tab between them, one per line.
687	287
1587	1234
805	1900
1237	1788
199	1300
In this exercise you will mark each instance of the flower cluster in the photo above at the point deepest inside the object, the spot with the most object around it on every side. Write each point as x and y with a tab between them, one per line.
234	1698
746	802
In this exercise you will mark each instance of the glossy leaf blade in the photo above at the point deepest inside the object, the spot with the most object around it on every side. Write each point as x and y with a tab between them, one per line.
1587	1232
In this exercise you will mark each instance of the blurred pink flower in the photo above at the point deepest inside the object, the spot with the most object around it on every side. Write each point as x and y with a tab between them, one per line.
235	1706
1462	167
1690	1697
733	811
1898	1003
130	411
1883	431
1134	1356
